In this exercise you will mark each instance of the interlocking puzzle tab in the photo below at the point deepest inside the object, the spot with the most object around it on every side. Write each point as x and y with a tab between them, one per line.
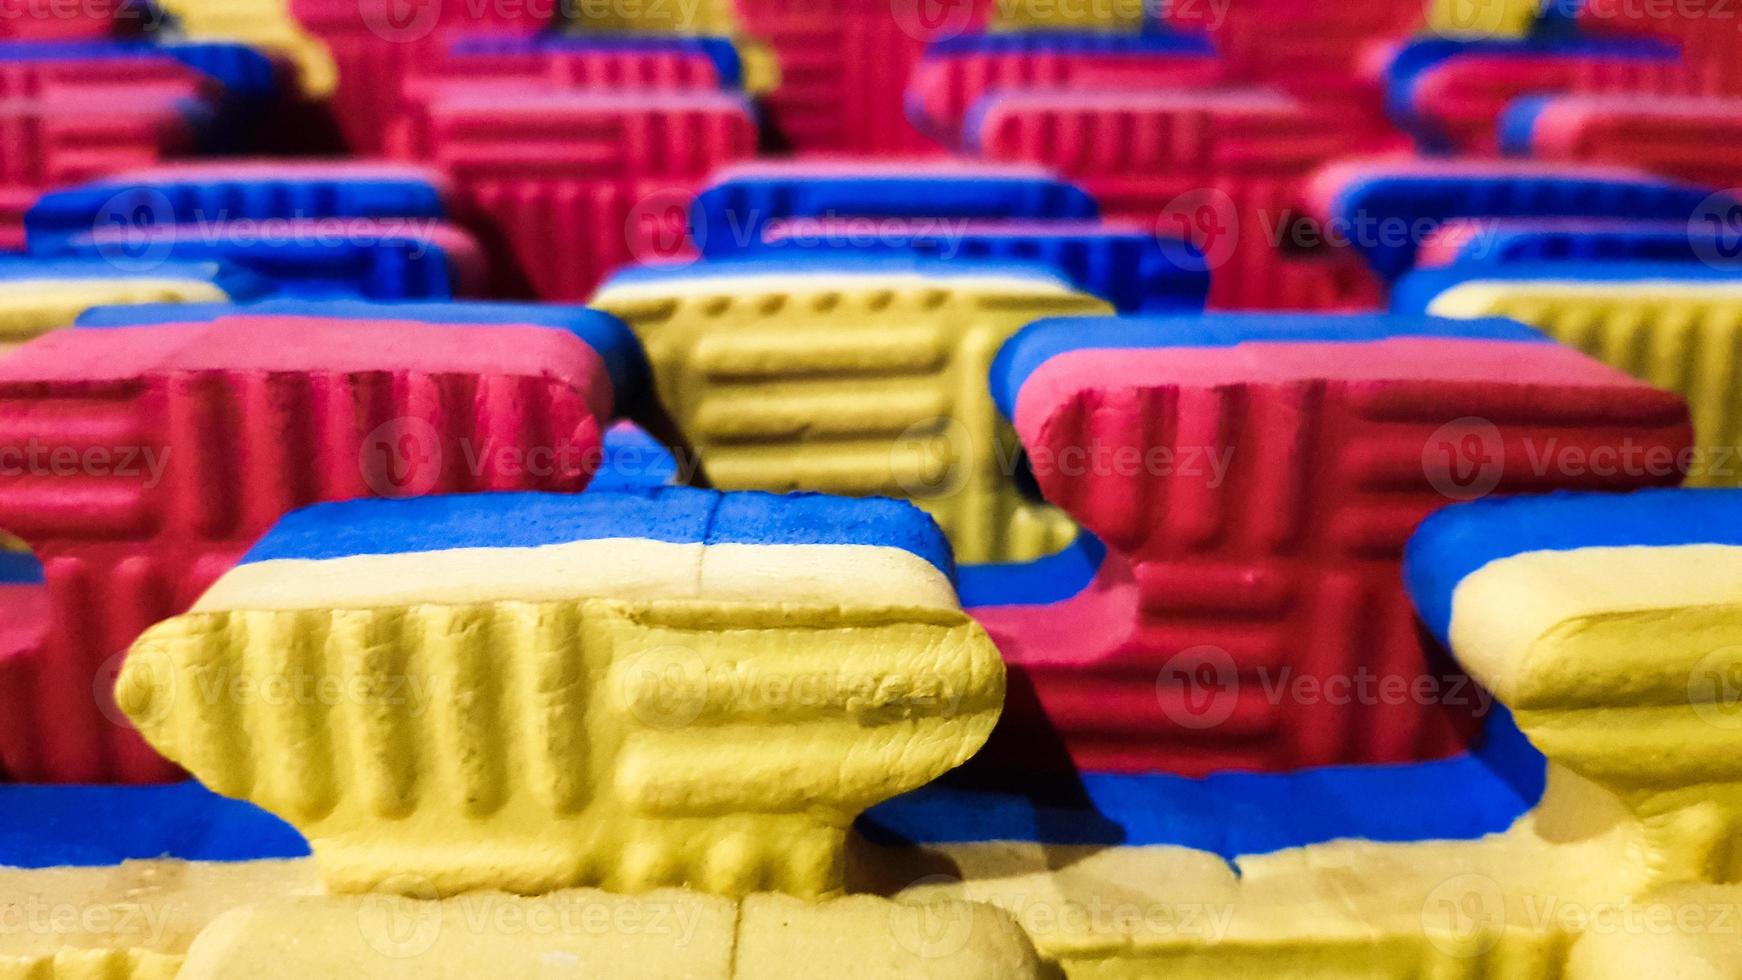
206	192
1253	479
1398	202
1674	326
743	206
1449	94
1130	266
955	73
1223	169
149	460
1609	625
582	675
1691	138
578	184
858	375
39	295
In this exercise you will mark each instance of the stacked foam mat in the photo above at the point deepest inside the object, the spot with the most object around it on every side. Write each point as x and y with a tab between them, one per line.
777	488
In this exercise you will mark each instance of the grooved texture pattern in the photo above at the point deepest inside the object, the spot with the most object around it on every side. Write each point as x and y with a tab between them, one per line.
141	482
527	746
856	389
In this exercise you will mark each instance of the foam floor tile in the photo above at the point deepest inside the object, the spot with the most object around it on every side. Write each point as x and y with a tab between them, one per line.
861	375
1419	195
1678	333
1186	649
538	635
38	296
1690	138
1471	242
189	441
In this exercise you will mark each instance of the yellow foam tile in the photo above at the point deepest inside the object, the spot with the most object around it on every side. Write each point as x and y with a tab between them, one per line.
30	308
863	385
1678	335
1689	932
1477	19
134	920
268	24
1108	15
586	933
697	735
1616	662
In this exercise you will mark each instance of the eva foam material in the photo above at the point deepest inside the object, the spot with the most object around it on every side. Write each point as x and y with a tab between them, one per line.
1644	319
1260	566
625	362
858	374
1135	269
1420	194
243	73
205	192
1477	242
954	73
38	295
204	436
555	171
1220	168
370	258
695	785
741	203
1690	138
1420	289
1448	93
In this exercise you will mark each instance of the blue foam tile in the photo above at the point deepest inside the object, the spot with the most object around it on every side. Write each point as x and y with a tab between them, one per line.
1454	542
528	520
1137	272
634	460
717	49
1479	792
1053	578
1518	124
167	197
98	826
741	205
1644	241
1422	199
1416	291
384	267
609	337
1043	340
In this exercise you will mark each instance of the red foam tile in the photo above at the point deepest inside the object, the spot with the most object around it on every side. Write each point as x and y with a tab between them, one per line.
1219	595
143	463
1709	32
1224	169
1696	139
1464	96
943	89
575	185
